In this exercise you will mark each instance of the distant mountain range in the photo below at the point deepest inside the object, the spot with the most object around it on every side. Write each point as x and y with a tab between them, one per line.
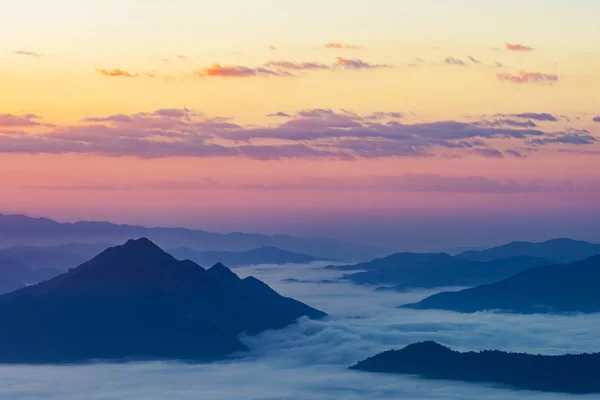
264	255
135	301
22	230
569	288
576	374
411	270
557	250
63	257
14	275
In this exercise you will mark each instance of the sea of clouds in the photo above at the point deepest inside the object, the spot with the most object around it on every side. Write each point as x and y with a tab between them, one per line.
309	360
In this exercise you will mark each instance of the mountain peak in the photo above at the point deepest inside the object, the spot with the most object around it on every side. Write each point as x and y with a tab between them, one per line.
222	273
141	243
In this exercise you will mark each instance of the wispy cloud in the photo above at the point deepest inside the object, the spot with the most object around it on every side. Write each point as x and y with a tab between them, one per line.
339	45
474	60
537	116
11	120
272	47
239	71
517	47
29	53
528	77
279	114
490	153
117	73
355	63
454	61
310	133
296	66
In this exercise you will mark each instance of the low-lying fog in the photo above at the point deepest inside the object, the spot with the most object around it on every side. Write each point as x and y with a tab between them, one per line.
309	360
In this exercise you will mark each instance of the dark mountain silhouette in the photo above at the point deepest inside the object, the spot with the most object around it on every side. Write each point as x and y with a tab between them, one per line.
577	374
137	301
550	289
558	250
263	255
19	230
411	270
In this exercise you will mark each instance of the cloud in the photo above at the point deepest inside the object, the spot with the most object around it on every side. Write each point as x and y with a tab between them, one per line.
474	60
489	153
279	114
355	63
517	47
508	122
272	47
528	77
536	116
310	133
29	53
338	45
296	66
239	71
405	183
454	61
11	121
117	72
378	115
596	119
514	153
573	137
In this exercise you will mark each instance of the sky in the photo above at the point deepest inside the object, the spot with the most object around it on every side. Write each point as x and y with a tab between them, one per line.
298	117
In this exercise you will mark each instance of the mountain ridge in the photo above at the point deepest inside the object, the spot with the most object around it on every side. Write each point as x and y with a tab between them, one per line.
19	229
560	288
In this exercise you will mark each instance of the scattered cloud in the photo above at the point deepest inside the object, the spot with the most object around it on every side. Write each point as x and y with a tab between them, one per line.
240	71
514	153
383	115
474	60
536	116
596	119
528	77
279	114
29	53
517	47
574	137
355	63
296	66
272	47
338	45
309	133
508	122
117	73
454	61
490	153
12	121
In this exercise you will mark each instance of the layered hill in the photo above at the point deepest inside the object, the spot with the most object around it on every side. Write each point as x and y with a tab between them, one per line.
569	288
23	230
411	270
263	255
558	250
577	374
